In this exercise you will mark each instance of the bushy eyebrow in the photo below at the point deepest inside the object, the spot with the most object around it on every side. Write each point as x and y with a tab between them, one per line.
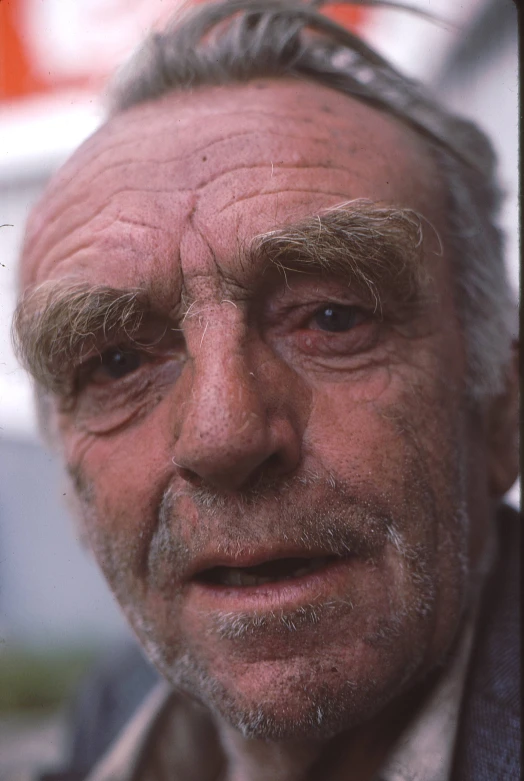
378	251
59	322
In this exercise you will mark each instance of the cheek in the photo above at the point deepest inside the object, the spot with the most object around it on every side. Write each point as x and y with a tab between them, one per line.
120	480
401	443
354	431
388	432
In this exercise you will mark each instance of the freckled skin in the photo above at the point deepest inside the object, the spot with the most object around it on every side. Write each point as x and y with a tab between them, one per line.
169	194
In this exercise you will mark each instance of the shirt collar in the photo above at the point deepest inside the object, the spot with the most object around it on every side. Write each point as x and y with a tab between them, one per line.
424	751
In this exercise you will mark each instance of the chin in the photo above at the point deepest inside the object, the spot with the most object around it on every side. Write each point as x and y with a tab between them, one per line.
311	700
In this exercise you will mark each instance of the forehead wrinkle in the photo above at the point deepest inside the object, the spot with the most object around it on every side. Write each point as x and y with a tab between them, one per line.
295	115
132	144
69	252
122	190
71	202
277	191
109	149
318	138
172	159
120	146
44	241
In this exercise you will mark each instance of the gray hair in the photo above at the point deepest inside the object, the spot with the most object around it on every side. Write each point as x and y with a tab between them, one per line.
239	40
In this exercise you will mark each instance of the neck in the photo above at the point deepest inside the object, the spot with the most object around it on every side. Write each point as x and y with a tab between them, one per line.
249	759
355	754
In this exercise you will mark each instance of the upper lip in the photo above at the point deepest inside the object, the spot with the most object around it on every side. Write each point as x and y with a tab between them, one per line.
251	559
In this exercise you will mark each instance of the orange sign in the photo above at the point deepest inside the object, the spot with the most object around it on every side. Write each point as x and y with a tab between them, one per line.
55	44
352	17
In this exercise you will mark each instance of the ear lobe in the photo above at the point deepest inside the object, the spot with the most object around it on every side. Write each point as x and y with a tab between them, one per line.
502	433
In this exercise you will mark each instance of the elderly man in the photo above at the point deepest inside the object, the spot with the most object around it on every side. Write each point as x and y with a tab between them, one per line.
267	315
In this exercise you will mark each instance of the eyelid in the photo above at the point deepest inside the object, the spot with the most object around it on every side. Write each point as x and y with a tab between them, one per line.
143	340
358	309
317	293
98	352
149	352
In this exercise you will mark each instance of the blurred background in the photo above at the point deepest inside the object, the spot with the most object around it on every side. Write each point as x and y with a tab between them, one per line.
56	614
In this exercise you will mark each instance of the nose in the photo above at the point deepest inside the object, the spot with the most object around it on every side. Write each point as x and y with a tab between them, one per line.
237	422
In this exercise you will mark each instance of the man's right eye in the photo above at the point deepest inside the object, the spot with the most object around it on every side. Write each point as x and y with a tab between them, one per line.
113	364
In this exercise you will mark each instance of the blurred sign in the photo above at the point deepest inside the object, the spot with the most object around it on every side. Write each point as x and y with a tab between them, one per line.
52	44
49	45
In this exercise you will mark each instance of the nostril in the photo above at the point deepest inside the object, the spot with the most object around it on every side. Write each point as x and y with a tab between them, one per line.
188	475
273	462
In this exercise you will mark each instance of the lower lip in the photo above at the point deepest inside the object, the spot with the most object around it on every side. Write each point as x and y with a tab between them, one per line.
329	581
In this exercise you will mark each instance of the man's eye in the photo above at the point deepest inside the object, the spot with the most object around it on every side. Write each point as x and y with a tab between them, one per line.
115	364
337	317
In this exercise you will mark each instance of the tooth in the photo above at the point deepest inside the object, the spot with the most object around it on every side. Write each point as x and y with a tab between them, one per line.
313	565
259	580
234	576
301	571
246	579
238	577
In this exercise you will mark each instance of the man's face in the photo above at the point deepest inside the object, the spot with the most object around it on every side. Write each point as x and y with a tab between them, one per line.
272	454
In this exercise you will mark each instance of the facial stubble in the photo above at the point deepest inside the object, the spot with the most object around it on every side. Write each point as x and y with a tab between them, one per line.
342	522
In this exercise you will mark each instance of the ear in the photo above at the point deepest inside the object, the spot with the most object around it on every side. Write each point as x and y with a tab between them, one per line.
502	432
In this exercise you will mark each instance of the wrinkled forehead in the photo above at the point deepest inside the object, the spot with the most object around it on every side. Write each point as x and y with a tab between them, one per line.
256	156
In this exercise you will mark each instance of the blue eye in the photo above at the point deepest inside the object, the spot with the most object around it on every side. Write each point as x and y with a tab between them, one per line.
337	317
117	363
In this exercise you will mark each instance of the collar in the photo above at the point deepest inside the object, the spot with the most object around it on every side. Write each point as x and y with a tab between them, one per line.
424	751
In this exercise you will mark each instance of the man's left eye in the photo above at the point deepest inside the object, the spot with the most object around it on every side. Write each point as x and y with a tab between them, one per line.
337	317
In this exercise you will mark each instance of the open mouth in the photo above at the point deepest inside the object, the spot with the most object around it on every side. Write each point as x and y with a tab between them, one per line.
267	572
